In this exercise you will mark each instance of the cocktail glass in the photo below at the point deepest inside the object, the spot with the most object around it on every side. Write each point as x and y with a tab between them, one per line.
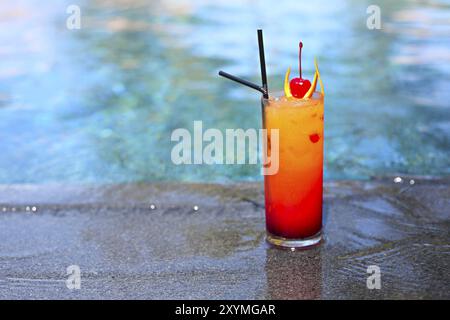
293	195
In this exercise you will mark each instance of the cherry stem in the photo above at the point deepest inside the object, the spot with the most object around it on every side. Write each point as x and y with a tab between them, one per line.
300	46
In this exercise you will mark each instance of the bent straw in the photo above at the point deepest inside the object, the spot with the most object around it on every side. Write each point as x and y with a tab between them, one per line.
242	81
264	88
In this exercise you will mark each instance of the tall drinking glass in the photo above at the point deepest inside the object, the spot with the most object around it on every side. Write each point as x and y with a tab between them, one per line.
293	195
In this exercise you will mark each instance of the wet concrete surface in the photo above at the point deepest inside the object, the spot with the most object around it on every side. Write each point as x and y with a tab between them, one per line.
126	250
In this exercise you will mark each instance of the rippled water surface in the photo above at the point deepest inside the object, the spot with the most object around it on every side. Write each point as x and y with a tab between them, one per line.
99	104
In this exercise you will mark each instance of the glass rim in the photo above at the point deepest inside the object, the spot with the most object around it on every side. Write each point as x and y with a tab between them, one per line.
275	96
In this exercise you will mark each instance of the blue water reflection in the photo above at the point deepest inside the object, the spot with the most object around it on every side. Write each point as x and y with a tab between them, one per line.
99	104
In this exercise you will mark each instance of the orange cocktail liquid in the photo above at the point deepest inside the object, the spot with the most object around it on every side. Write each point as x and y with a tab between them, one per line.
293	196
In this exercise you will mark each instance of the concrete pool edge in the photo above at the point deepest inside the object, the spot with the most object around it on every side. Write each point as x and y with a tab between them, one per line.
206	241
184	193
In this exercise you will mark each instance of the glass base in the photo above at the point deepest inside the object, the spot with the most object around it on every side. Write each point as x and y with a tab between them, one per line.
294	243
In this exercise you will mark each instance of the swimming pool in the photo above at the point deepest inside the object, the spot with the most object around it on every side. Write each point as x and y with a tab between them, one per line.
99	104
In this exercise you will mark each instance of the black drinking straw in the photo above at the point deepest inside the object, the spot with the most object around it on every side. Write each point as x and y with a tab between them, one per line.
262	62
242	81
263	89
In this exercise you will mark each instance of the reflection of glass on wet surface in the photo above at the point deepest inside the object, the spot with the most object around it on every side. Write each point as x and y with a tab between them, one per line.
295	275
100	103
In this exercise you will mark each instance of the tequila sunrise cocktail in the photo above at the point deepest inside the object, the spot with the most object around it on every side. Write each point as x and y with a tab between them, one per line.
293	196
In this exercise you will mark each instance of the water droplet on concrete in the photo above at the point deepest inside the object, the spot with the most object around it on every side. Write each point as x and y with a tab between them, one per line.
398	180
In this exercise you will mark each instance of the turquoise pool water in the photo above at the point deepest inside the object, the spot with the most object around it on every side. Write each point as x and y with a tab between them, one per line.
99	104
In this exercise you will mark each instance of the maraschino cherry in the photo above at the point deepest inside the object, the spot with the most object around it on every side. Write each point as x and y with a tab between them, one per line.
299	86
